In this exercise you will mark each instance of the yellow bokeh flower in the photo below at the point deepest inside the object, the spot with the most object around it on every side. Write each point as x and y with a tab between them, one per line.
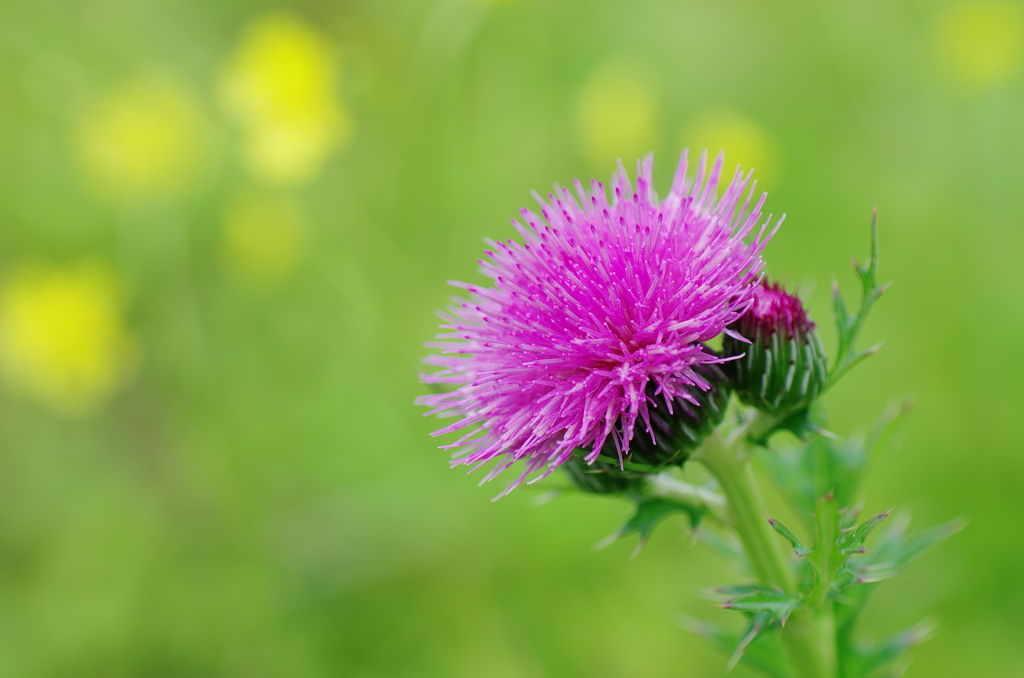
143	139
63	339
263	236
616	115
279	85
746	142
980	44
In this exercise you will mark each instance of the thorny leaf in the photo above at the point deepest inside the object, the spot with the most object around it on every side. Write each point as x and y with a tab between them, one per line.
799	548
879	660
852	541
808	471
759	651
849	325
778	605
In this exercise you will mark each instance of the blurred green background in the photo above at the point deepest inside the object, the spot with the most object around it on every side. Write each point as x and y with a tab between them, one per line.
225	228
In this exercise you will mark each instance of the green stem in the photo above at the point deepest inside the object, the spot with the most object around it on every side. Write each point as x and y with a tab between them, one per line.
810	640
746	511
809	635
664	486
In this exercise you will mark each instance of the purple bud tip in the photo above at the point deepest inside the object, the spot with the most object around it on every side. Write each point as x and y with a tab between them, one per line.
774	310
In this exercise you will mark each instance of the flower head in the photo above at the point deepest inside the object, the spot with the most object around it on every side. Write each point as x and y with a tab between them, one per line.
595	321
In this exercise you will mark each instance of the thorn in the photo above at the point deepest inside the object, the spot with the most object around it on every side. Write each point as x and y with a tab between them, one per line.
610	539
873	349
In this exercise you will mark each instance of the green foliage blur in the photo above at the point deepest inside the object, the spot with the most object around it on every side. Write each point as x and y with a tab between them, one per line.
225	228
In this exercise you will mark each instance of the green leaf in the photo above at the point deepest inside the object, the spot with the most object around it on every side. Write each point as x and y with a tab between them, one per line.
807	471
849	326
649	512
852	541
877	660
778	605
799	548
760	651
758	622
892	551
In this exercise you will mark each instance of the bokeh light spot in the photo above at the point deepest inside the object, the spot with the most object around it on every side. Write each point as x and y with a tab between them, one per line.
279	86
616	114
980	44
63	338
746	142
144	139
263	236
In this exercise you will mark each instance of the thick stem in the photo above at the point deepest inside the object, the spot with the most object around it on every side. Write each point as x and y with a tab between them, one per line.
809	635
746	511
810	640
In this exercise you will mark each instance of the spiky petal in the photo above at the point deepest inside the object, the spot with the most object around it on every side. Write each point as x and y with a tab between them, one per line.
600	300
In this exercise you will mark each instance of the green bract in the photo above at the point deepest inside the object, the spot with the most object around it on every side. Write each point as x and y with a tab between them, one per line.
678	433
600	477
669	442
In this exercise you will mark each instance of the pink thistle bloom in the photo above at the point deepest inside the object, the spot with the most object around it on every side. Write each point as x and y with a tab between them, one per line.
600	300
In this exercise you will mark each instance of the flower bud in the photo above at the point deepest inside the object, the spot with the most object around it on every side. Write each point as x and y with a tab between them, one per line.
783	368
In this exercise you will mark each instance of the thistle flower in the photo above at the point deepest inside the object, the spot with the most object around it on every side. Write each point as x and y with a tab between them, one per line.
595	322
781	365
